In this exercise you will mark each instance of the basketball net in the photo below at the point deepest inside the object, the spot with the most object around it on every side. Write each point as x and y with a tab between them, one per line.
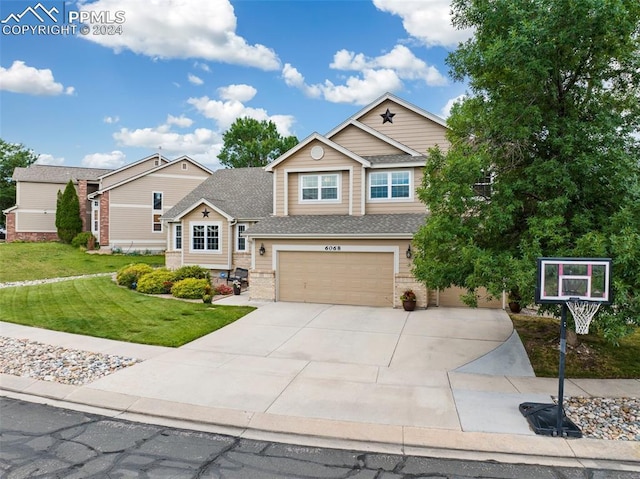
582	312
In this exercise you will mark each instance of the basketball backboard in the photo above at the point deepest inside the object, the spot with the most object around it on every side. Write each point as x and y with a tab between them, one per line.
562	279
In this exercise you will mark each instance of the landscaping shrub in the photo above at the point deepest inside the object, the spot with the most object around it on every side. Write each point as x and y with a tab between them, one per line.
190	288
84	240
129	275
223	289
158	281
194	271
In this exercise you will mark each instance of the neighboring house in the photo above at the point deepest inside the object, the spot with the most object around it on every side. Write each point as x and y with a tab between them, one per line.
343	213
33	218
121	207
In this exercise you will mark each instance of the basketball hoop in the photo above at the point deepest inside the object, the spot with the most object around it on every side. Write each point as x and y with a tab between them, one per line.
582	312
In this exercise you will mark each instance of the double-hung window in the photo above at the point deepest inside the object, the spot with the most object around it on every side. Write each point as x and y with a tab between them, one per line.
482	187
178	237
320	187
205	237
157	211
390	185
241	241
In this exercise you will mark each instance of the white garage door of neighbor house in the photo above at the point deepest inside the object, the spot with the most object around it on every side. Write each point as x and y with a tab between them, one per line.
356	278
450	298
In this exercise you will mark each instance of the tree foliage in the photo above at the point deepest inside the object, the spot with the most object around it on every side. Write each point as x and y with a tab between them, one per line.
12	156
249	142
553	114
68	220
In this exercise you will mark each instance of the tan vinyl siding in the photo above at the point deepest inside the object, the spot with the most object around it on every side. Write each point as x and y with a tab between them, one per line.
330	162
396	206
213	260
27	221
363	143
296	207
39	195
408	127
135	170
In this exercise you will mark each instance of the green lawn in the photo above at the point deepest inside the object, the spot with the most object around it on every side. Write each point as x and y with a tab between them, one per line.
593	357
26	261
98	307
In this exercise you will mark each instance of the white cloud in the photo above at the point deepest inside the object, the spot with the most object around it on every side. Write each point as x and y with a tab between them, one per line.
195	80
115	159
111	119
202	66
46	159
446	110
181	29
239	93
181	121
427	20
20	78
376	75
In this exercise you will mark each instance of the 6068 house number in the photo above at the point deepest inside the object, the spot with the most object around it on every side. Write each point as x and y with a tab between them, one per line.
332	248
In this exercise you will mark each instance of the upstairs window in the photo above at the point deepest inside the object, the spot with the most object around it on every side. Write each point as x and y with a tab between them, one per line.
482	187
390	185
319	187
157	211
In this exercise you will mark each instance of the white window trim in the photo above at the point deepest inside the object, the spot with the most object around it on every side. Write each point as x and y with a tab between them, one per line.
319	200
389	198
481	183
156	212
175	237
246	249
205	250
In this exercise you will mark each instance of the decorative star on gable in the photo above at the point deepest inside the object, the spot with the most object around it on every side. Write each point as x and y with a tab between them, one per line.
387	116
205	213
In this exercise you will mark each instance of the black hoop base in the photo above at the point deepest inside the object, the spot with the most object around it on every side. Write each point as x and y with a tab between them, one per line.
543	419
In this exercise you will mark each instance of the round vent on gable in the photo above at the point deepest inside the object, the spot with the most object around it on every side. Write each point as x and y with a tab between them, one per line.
317	152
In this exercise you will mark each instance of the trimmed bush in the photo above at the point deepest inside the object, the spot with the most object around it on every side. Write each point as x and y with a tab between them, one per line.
190	288
129	275
159	281
223	289
194	271
84	240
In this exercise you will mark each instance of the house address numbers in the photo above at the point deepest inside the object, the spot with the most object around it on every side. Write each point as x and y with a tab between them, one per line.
332	248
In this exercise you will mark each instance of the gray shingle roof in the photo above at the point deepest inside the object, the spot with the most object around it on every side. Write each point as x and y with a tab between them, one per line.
56	174
395	159
338	225
243	193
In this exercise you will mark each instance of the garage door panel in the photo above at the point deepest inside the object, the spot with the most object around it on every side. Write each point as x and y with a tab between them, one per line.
336	278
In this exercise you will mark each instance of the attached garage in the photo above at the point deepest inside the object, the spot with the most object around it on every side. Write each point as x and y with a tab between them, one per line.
450	298
355	278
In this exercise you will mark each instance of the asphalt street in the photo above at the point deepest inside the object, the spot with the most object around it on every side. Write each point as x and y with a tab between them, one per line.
41	441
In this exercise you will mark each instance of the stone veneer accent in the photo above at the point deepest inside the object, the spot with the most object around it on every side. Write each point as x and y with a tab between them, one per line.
82	197
262	285
404	282
173	259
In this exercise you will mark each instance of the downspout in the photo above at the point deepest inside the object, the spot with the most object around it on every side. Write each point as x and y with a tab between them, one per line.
232	223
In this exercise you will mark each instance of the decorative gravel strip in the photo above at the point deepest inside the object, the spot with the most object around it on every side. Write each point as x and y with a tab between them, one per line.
50	280
32	359
605	418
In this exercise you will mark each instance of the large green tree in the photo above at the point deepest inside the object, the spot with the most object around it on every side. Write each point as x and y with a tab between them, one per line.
68	220
249	142
11	156
552	116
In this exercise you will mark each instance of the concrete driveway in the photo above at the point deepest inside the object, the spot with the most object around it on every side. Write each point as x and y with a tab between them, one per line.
344	363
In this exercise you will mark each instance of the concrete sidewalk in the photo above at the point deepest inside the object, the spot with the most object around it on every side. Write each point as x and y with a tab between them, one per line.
442	381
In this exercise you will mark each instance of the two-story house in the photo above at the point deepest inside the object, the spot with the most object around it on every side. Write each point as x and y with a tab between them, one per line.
121	207
343	211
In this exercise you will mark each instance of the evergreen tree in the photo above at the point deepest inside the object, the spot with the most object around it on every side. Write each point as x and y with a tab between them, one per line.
68	220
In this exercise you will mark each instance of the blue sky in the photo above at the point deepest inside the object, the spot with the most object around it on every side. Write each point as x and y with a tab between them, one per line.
175	74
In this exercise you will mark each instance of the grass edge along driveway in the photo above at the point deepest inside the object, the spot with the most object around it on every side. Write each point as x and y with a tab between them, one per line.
98	307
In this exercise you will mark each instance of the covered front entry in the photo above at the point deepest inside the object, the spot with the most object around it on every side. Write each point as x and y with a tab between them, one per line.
356	278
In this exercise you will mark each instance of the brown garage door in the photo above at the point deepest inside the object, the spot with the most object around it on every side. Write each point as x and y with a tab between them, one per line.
336	277
450	297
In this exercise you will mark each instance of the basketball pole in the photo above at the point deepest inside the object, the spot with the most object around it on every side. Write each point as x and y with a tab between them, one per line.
563	352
